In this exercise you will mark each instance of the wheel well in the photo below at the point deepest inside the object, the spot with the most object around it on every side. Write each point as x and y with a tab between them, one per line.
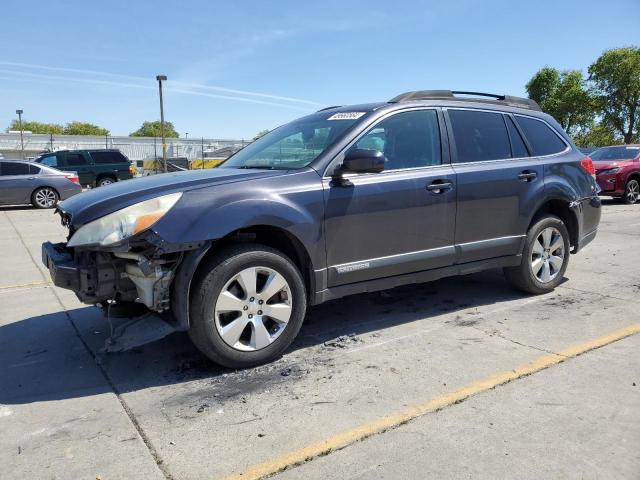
279	239
633	176
100	176
561	209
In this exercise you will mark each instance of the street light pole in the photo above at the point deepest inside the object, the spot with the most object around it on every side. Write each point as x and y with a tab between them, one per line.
202	144
19	112
160	78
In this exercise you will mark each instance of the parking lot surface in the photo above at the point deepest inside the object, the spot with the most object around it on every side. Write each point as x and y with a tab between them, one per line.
459	378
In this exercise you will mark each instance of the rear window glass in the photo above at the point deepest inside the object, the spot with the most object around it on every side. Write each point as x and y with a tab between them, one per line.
107	157
543	140
479	136
518	149
13	168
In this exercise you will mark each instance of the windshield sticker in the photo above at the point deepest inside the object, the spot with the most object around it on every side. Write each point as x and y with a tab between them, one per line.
346	115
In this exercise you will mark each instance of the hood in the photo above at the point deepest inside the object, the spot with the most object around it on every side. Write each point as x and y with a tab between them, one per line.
95	203
606	164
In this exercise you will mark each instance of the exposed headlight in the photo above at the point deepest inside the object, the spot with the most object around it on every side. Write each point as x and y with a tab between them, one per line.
124	223
609	171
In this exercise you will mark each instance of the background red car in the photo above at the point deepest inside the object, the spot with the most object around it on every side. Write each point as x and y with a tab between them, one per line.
618	171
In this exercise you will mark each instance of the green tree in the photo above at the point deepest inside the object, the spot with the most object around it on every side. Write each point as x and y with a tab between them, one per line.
261	133
597	135
615	78
152	129
37	127
82	128
564	96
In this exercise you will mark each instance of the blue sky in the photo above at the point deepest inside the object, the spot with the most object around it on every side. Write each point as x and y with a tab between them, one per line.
236	68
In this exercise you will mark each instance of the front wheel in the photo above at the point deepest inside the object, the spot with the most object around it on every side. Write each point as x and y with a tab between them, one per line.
248	305
545	257
631	192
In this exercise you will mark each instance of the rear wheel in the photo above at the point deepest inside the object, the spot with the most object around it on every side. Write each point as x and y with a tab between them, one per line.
45	197
631	192
544	259
248	305
105	181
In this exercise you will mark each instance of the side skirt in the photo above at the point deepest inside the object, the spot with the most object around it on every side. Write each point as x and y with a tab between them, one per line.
417	277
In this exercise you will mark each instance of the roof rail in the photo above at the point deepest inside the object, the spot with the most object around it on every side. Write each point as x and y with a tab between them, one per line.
328	108
464	96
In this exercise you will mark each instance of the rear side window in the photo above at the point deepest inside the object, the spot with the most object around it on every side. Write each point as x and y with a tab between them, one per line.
73	159
51	161
34	169
479	136
518	149
543	140
13	168
107	157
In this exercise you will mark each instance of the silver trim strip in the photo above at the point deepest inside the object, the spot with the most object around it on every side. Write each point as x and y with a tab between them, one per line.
417	252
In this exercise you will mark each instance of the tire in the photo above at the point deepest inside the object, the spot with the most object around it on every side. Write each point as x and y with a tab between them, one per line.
229	325
631	192
540	271
102	181
44	197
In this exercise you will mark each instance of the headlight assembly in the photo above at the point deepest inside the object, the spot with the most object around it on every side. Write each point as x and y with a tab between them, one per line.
124	223
610	171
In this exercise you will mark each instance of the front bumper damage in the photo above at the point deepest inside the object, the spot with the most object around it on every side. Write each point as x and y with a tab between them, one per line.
140	271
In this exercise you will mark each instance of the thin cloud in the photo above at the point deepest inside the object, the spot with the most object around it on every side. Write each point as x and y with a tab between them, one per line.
144	79
185	91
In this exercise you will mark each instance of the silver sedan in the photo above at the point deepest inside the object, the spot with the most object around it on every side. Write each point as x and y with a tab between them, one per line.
43	187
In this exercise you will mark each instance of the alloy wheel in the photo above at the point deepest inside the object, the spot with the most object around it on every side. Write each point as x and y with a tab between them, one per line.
633	191
548	254
253	308
105	181
45	198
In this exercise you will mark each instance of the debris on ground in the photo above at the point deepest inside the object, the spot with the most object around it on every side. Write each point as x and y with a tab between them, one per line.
342	341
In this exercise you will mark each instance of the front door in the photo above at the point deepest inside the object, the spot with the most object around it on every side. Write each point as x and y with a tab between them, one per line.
398	221
497	183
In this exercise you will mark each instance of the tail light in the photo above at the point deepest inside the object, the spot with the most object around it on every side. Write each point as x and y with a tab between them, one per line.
72	177
132	170
587	165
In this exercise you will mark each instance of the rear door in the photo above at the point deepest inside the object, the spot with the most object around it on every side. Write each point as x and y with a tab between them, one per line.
498	182
16	183
112	163
81	163
396	221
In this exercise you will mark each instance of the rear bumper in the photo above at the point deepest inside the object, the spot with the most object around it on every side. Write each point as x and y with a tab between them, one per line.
589	211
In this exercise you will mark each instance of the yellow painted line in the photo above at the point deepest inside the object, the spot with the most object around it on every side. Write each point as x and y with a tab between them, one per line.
348	437
22	285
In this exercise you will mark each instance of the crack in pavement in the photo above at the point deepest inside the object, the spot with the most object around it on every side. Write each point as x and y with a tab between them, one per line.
132	418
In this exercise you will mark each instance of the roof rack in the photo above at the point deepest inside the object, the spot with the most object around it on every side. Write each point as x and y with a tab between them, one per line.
466	97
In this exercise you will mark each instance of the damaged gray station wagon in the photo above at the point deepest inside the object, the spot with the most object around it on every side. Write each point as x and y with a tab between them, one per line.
346	200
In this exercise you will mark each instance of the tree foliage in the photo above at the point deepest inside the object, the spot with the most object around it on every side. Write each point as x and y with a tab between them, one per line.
84	128
152	129
615	78
37	127
71	128
564	96
597	135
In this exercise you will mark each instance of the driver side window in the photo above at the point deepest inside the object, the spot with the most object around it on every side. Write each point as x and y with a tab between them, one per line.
408	140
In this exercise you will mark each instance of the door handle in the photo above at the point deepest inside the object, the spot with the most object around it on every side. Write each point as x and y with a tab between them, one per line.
439	186
527	176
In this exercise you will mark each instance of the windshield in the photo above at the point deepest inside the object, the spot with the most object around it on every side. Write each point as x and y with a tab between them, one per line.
615	153
296	144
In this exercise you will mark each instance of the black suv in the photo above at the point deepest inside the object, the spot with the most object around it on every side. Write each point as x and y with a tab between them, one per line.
346	200
94	167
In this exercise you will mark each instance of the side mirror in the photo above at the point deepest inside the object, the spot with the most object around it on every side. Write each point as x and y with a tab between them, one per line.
360	160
